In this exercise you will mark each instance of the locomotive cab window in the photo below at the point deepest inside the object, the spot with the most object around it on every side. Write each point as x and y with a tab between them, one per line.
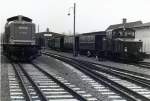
129	33
123	33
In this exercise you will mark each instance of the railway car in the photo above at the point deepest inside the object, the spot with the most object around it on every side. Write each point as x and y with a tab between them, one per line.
68	43
51	43
91	44
40	41
59	43
19	38
56	43
121	44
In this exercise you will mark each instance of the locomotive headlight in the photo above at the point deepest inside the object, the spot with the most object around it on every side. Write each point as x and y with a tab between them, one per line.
125	49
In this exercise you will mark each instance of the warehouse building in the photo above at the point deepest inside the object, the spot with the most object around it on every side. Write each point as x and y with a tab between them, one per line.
143	33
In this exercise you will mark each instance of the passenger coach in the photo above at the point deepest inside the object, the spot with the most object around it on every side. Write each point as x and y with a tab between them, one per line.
91	43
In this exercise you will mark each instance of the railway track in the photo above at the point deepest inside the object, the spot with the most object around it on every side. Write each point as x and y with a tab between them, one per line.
129	86
143	65
28	82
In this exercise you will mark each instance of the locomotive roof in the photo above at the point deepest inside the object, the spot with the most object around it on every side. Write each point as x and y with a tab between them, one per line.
17	18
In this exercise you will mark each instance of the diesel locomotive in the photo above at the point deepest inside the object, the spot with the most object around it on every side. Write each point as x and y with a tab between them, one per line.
121	44
19	38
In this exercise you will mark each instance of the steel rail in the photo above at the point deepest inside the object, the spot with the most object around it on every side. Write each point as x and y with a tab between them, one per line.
129	94
40	93
147	66
21	81
72	92
132	78
147	63
119	69
134	75
142	64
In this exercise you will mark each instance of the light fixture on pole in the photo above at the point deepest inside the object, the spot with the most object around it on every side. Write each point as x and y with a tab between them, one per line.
74	17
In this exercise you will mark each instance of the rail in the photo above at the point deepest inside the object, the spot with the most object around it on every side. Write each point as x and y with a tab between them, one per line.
125	92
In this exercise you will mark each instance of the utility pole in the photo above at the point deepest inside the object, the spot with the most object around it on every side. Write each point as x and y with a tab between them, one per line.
38	28
74	31
74	28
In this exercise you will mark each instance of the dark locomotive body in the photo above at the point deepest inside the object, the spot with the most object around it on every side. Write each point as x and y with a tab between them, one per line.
120	44
19	38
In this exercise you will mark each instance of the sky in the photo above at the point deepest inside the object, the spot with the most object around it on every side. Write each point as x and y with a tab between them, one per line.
91	15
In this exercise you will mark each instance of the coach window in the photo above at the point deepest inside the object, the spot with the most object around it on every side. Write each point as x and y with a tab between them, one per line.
110	35
90	37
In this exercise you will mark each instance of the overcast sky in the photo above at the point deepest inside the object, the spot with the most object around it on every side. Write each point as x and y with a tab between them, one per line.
91	15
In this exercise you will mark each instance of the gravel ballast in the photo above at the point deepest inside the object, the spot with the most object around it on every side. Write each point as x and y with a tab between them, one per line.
69	73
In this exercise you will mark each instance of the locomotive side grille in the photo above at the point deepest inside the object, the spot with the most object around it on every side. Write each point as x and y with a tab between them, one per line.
133	46
32	42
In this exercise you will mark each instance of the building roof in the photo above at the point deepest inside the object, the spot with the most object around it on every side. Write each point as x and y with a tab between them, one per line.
41	34
143	25
94	33
127	25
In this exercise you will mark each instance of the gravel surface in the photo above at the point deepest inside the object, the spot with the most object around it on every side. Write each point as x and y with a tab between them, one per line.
69	73
147	60
109	63
5	95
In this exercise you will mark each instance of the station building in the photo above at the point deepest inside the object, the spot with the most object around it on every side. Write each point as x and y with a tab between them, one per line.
43	37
